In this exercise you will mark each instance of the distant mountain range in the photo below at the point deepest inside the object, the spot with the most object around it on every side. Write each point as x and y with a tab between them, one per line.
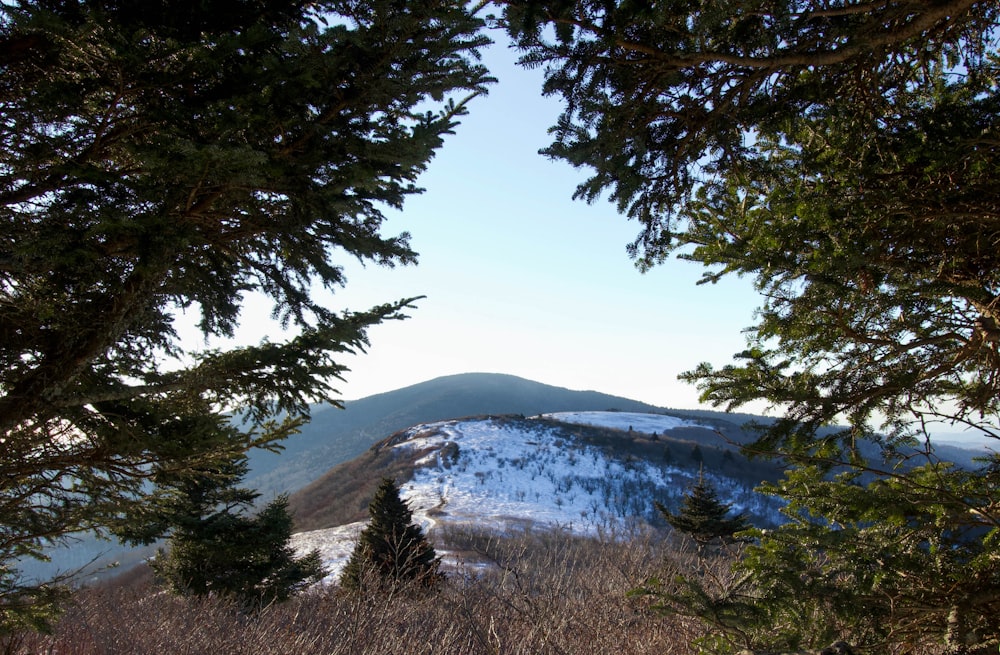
580	473
653	442
334	437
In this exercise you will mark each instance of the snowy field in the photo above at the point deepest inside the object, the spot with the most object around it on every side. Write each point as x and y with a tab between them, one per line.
504	474
645	423
495	475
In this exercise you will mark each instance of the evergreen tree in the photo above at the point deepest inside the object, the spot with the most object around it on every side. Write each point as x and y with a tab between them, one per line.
160	158
391	548
218	547
704	517
843	156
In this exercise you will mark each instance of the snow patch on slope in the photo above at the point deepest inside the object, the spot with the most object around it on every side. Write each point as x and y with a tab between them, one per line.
646	423
504	475
334	546
501	474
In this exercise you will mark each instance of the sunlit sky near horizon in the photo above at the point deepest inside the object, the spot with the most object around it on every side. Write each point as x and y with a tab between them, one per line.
521	279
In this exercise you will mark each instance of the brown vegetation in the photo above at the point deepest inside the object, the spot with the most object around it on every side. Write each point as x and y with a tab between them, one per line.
532	594
341	496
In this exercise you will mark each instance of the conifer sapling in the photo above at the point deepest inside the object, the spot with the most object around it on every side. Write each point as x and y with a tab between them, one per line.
391	549
703	516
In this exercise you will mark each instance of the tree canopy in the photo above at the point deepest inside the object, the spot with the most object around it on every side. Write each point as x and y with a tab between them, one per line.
843	155
164	158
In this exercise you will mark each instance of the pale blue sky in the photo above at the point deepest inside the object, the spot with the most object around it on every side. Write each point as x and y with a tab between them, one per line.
521	279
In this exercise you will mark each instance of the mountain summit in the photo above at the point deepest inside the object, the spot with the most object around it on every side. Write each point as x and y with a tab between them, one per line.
334	436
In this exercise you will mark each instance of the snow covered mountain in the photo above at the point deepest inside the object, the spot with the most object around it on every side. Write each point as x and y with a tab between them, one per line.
580	472
335	436
333	467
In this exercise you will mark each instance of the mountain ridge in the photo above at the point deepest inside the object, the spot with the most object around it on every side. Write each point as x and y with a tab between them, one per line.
333	436
582	473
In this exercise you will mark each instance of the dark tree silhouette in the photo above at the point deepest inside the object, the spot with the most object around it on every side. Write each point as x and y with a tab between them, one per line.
704	517
844	156
391	549
165	158
217	546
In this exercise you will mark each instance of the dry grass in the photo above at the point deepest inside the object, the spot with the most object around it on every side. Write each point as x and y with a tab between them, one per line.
537	593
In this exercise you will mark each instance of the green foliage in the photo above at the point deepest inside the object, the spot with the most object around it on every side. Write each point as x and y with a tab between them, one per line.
217	547
391	549
846	161
903	557
878	563
703	516
27	605
160	159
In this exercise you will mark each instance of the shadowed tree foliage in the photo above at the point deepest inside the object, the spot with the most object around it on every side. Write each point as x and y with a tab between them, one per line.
169	159
391	548
703	516
844	156
217	546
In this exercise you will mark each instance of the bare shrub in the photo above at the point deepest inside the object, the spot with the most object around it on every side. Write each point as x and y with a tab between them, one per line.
534	593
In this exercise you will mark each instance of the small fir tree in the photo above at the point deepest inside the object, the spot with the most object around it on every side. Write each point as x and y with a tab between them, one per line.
217	547
704	517
391	548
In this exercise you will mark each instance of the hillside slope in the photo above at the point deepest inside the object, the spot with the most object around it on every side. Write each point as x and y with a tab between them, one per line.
580	472
334	436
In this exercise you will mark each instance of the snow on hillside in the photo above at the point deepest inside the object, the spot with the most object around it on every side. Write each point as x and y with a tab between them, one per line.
504	475
646	423
496	474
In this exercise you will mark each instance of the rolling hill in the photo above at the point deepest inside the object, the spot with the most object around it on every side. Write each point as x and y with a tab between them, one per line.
334	436
581	473
345	438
